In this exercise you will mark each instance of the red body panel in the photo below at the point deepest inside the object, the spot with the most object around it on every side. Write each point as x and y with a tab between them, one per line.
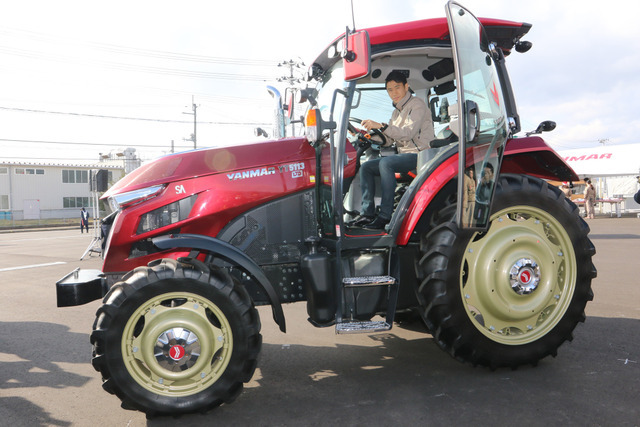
436	181
532	156
208	161
228	181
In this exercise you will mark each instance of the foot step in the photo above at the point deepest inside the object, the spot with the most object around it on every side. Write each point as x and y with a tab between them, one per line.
352	282
362	327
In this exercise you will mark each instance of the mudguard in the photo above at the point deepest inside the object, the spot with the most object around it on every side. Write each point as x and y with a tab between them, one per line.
525	156
230	254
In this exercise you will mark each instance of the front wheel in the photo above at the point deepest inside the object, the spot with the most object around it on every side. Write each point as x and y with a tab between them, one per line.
176	337
513	294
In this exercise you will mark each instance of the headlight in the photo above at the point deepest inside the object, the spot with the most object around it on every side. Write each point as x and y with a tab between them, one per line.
166	215
133	197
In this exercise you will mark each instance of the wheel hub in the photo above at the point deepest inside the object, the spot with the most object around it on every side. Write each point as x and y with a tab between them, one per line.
177	349
524	276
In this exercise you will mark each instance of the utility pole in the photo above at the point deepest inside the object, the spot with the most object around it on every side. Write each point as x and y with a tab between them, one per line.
194	108
291	79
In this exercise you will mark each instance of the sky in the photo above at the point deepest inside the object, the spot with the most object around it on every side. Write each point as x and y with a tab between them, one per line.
82	78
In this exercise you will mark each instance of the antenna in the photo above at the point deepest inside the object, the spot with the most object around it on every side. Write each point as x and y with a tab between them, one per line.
353	17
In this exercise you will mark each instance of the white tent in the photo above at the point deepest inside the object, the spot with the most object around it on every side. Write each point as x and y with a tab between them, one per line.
612	168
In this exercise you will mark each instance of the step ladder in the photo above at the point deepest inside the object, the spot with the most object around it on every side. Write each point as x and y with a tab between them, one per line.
369	326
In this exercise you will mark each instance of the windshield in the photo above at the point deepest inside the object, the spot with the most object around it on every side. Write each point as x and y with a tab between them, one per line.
331	80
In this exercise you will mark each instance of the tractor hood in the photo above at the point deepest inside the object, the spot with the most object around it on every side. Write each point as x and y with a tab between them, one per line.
207	161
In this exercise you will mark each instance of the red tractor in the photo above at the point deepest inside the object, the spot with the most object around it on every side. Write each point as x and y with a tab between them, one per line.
198	239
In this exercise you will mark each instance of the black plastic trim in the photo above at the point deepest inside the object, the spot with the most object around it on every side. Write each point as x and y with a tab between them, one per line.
228	253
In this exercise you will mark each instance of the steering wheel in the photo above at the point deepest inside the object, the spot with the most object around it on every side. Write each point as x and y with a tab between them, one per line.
364	137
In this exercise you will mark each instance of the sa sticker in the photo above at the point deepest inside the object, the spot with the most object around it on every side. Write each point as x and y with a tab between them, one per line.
180	189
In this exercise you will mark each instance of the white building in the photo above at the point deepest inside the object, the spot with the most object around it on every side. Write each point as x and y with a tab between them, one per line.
30	190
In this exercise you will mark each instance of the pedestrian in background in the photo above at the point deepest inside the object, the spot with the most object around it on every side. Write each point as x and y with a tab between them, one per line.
589	199
84	220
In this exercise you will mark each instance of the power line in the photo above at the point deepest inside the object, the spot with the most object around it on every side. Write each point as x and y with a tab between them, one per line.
102	116
35	141
176	56
137	68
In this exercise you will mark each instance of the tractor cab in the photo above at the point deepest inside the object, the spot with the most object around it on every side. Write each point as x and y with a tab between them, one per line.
457	68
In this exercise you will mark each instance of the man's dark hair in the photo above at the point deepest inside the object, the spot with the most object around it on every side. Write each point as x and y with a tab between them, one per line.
396	76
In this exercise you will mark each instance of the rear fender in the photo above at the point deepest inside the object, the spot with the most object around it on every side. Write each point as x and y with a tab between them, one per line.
524	156
230	254
532	156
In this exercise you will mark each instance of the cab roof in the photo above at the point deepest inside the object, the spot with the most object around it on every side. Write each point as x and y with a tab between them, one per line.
504	33
434	32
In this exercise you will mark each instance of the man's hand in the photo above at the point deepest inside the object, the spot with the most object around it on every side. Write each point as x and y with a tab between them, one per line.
370	124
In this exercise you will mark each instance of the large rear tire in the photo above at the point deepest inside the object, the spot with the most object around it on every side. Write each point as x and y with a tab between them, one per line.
513	295
176	337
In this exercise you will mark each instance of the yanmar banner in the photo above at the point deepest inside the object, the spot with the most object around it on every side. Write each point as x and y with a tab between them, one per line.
606	160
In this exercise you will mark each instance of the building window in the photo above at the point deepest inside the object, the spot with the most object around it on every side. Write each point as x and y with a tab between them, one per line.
24	171
75	176
4	171
4	201
68	177
76	202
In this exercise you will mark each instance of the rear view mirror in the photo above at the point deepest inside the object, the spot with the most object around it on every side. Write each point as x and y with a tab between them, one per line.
546	126
356	60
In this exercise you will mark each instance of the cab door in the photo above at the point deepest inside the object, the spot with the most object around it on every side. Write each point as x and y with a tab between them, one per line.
482	125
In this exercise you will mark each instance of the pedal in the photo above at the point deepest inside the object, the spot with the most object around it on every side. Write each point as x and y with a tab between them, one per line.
362	327
354	282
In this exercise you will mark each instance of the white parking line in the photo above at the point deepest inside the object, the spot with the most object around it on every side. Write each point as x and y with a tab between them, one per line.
32	266
81	236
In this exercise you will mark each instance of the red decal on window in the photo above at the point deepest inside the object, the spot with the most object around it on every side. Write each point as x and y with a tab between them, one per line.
494	92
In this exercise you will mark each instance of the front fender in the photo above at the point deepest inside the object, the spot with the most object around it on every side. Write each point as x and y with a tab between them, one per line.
523	156
230	254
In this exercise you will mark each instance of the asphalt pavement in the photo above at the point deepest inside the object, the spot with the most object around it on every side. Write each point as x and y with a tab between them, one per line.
312	377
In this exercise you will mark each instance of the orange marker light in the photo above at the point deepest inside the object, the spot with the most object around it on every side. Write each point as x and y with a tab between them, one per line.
311	118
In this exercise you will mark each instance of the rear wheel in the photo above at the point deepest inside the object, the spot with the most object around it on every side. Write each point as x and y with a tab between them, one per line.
176	337
514	294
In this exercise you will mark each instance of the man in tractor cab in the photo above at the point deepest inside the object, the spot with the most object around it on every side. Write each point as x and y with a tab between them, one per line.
411	130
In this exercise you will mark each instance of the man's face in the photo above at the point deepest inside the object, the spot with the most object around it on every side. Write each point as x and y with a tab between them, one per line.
397	91
488	174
